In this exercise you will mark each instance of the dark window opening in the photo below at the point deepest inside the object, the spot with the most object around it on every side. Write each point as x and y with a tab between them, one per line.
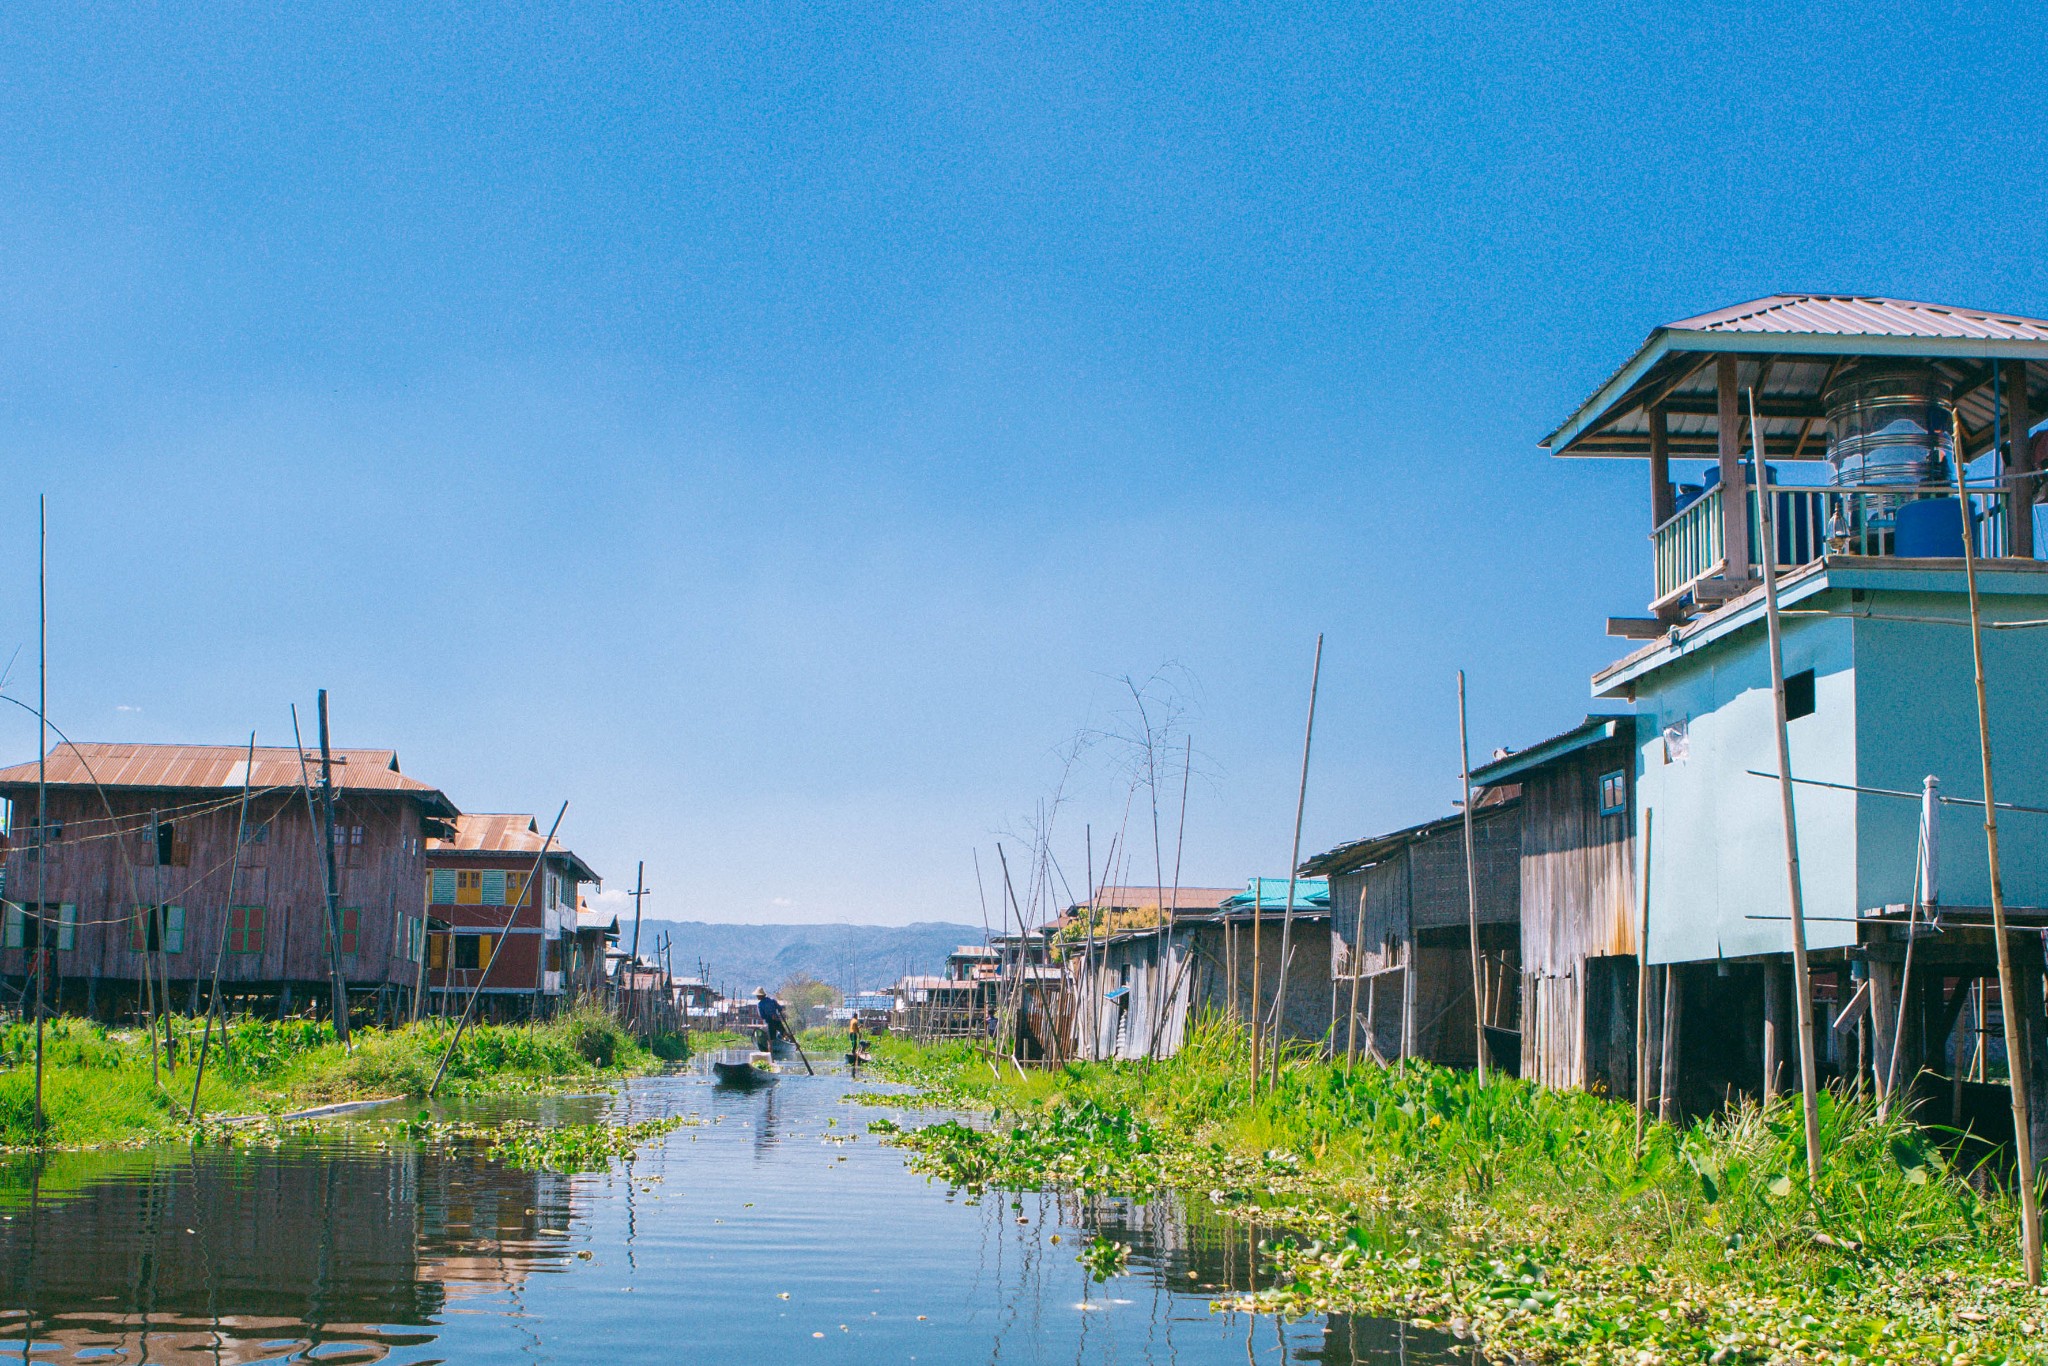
166	844
1799	694
467	955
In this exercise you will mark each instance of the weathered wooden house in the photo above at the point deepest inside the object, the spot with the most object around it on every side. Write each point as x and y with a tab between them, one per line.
1578	907
486	883
1859	404
140	844
1401	919
1132	992
596	932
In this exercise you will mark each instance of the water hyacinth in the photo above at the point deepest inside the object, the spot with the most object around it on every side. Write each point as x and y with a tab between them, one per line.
1523	1217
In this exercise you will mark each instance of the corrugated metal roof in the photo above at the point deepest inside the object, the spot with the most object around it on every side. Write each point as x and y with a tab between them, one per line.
1790	347
215	767
1148	896
1591	731
1349	858
505	832
1270	894
1852	315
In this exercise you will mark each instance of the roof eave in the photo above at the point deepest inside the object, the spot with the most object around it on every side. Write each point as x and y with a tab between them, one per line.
1595	730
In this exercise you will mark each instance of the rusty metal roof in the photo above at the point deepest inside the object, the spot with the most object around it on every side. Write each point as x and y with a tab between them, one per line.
1140	898
1791	346
218	767
504	832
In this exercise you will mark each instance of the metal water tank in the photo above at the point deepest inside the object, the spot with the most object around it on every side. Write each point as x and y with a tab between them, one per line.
1890	425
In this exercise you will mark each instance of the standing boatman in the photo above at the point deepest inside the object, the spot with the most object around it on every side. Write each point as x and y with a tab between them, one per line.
774	1021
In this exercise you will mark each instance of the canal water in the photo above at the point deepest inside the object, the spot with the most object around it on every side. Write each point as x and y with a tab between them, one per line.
774	1228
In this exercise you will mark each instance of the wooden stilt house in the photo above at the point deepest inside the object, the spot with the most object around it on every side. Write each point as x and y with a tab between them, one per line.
1400	914
1577	895
487	882
138	851
1863	409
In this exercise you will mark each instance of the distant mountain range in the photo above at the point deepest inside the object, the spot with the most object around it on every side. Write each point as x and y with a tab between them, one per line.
739	958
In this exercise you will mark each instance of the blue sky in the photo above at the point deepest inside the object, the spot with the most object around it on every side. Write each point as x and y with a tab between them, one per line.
775	428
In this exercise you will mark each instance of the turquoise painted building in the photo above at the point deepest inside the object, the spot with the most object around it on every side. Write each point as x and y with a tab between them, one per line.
1878	668
1850	418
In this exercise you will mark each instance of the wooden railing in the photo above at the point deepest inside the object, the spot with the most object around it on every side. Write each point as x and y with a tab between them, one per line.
1810	522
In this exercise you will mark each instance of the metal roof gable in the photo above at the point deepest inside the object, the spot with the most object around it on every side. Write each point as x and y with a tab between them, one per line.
1592	731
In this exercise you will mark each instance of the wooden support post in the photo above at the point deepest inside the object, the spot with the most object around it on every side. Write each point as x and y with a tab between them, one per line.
1667	1068
2008	978
1660	469
1774	1030
2019	479
1408	997
1734	487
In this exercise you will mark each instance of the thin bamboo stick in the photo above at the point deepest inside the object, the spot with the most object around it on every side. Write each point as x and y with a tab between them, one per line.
1643	983
1471	890
2008	993
1308	736
1802	982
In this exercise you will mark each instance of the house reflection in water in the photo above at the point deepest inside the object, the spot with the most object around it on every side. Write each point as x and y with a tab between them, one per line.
257	1254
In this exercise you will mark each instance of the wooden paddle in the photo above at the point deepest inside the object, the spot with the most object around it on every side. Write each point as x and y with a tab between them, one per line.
788	1034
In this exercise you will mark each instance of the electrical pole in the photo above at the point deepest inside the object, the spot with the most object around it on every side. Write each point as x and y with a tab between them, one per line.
639	890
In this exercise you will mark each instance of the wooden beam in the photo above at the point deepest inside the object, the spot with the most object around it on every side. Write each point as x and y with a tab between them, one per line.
1660	470
2019	485
1734	487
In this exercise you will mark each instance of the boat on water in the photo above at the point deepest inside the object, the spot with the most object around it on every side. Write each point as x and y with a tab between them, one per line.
743	1075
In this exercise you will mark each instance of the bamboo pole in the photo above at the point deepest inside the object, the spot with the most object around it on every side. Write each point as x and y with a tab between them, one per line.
1358	944
1308	736
469	1007
1923	880
1643	983
1471	889
221	947
1802	982
2008	994
43	784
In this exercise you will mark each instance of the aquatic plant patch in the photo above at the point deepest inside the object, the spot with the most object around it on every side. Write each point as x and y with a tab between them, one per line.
1525	1218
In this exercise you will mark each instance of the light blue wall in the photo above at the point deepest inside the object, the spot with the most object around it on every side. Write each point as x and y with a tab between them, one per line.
1717	847
1894	702
1919	716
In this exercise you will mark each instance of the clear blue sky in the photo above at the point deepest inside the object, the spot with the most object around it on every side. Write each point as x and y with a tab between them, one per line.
772	427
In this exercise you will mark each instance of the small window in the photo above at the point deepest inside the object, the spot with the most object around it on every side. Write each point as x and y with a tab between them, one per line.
554	955
245	929
157	929
355	835
351	922
468	952
166	844
1614	792
1799	694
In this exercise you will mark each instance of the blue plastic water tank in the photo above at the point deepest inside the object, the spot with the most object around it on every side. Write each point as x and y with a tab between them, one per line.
1929	529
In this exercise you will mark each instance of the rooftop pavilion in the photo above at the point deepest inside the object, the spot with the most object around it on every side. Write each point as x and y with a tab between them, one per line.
1858	400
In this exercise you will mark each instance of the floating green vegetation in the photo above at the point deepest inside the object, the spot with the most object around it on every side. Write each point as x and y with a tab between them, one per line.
563	1148
1523	1217
1105	1257
99	1088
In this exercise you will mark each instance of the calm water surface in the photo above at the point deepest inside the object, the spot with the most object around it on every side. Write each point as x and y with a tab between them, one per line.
776	1230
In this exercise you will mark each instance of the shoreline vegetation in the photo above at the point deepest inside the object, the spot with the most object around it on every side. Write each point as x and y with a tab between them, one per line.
1520	1217
98	1087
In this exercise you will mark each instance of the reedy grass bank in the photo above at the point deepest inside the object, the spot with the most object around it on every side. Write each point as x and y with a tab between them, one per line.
98	1088
1524	1216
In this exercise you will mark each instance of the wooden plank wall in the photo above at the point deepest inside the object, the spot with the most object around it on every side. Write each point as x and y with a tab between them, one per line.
109	868
1578	916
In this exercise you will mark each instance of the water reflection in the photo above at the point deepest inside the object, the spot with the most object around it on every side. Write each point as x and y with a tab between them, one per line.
776	1227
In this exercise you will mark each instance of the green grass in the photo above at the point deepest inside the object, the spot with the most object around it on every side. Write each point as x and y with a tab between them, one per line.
98	1088
1523	1215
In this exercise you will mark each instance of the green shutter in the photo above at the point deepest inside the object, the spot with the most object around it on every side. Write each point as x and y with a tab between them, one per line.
16	923
444	886
494	887
67	927
174	929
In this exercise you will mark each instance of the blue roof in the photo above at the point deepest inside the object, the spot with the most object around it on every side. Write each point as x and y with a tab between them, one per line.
1310	894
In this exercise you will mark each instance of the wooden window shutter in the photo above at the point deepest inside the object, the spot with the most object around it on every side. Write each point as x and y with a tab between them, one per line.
437	951
17	924
173	934
67	926
444	887
494	887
